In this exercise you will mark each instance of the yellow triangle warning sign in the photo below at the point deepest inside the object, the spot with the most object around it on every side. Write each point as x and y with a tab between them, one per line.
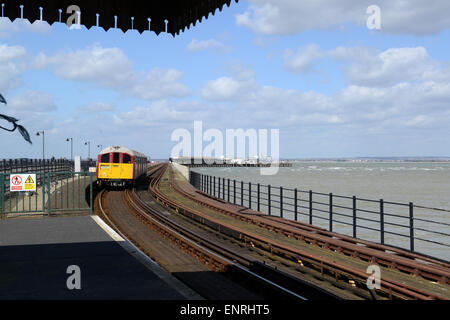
29	180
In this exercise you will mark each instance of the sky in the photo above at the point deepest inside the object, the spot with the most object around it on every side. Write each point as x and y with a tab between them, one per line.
318	71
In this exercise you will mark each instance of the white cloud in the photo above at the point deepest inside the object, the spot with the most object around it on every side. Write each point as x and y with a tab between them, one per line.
369	67
33	109
284	17
388	67
107	67
111	68
10	69
224	88
420	121
302	61
97	107
11	52
210	44
389	90
159	84
32	101
163	113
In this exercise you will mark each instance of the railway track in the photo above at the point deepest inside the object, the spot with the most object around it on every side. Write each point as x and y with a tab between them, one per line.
216	257
404	262
391	257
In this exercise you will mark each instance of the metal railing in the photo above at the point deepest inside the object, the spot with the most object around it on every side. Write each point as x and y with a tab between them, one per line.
8	166
42	165
56	192
396	224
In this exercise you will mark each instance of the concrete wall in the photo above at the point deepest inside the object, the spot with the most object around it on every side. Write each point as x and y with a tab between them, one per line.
182	169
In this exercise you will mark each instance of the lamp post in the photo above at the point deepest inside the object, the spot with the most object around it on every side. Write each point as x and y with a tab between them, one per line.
71	147
43	142
88	143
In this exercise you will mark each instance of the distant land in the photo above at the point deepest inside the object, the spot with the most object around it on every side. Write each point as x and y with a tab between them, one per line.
376	159
363	159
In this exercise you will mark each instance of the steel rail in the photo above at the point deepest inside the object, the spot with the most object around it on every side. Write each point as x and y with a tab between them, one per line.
390	285
229	257
403	260
213	255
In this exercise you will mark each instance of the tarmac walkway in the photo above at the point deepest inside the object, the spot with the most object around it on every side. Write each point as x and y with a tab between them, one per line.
47	258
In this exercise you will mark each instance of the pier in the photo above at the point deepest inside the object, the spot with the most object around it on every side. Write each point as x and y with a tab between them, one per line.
198	162
209	238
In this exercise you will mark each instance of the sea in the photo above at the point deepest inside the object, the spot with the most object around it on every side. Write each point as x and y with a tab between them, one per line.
398	183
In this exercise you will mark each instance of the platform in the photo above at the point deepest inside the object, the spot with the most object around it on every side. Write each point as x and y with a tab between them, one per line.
35	255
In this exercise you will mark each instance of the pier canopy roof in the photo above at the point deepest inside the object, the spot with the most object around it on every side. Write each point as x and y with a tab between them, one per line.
139	15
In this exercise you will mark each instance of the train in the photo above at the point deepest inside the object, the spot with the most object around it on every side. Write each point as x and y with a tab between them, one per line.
118	166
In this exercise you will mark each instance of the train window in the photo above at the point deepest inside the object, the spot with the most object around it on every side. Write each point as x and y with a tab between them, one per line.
116	157
105	158
126	158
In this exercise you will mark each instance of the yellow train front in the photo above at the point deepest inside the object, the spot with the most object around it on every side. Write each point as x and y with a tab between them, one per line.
119	166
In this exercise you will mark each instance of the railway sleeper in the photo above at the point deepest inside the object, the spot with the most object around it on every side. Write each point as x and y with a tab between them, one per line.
320	268
389	264
240	236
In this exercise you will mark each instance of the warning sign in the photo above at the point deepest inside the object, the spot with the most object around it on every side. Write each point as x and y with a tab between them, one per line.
23	182
16	180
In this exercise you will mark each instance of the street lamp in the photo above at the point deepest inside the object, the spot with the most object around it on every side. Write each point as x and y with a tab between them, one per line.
100	147
43	142
71	147
89	148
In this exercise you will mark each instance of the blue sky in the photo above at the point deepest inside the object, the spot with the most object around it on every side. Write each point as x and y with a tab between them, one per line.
314	71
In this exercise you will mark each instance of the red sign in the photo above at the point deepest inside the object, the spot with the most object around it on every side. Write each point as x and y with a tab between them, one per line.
16	180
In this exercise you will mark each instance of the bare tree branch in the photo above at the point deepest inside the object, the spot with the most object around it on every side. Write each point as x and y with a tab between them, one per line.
14	121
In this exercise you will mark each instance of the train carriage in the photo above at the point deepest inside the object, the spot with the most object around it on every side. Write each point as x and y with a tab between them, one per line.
120	166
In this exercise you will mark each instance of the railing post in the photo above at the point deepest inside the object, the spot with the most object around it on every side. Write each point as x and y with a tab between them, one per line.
214	185
411	226
268	199
310	207
259	197
218	187
2	195
281	202
49	201
43	184
295	205
354	217
223	188
234	191
228	190
91	209
331	212
249	195
242	193
382	221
